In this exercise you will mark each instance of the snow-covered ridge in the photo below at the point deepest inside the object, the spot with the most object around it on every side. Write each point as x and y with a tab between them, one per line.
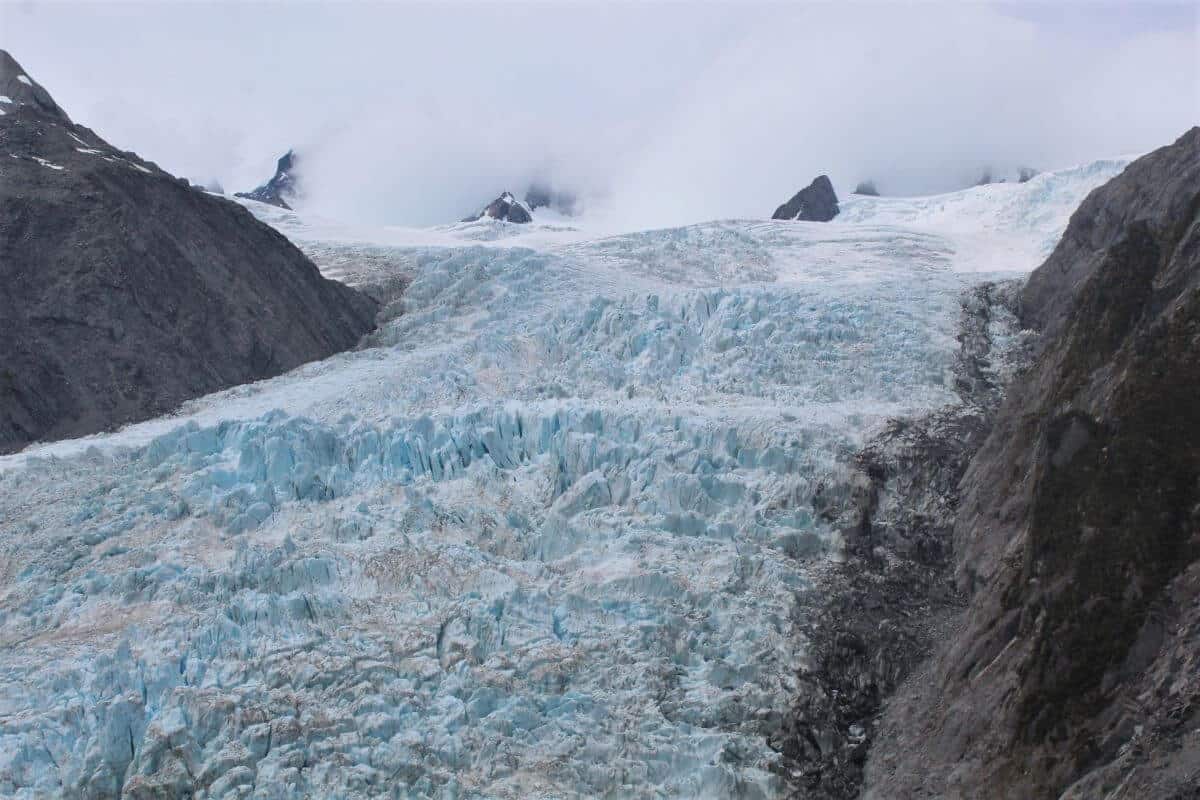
540	539
1000	226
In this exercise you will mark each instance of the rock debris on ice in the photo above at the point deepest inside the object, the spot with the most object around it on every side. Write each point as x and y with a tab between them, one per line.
540	538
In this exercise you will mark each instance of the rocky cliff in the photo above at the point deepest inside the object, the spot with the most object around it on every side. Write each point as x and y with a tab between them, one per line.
816	202
127	292
1075	670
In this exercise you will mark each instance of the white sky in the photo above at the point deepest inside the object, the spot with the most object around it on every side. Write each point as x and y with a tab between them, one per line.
664	113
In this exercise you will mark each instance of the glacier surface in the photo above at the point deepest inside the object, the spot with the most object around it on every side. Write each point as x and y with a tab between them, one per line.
541	536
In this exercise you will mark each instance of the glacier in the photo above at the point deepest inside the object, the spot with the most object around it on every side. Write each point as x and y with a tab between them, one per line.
540	536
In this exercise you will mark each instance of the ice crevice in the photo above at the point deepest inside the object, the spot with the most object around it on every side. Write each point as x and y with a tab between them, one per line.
542	536
524	614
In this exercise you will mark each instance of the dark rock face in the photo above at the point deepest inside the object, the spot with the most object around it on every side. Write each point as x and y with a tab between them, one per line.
22	90
281	190
867	188
505	208
539	195
1076	670
127	292
1026	174
871	619
817	202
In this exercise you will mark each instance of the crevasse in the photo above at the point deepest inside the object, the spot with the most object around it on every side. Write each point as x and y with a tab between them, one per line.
540	538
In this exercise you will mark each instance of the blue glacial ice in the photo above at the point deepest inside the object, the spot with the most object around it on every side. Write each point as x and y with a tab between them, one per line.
541	537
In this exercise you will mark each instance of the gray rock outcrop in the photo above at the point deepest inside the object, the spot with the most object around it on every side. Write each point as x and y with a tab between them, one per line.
868	621
1075	670
1020	175
817	202
282	189
127	292
866	188
17	89
505	208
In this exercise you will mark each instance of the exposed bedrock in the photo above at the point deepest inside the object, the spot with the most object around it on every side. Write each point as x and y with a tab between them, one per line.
816	202
128	292
871	618
505	208
282	189
1073	671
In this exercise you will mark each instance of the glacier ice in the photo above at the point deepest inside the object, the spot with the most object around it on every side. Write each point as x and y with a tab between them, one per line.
540	538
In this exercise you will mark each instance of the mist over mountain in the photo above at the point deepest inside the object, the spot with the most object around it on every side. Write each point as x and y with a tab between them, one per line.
398	128
622	485
128	291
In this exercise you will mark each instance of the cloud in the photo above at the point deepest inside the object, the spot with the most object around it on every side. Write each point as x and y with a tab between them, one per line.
920	100
658	114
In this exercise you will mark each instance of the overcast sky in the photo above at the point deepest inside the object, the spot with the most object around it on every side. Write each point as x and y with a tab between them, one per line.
662	114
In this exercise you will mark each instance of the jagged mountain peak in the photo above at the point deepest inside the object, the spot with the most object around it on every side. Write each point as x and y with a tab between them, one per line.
506	208
127	292
286	161
816	202
17	89
283	188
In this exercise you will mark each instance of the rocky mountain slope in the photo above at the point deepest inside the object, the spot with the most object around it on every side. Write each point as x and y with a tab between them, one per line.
17	89
1074	670
127	292
872	617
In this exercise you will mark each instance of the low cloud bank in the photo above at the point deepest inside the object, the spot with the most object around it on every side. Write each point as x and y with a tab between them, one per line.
654	114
